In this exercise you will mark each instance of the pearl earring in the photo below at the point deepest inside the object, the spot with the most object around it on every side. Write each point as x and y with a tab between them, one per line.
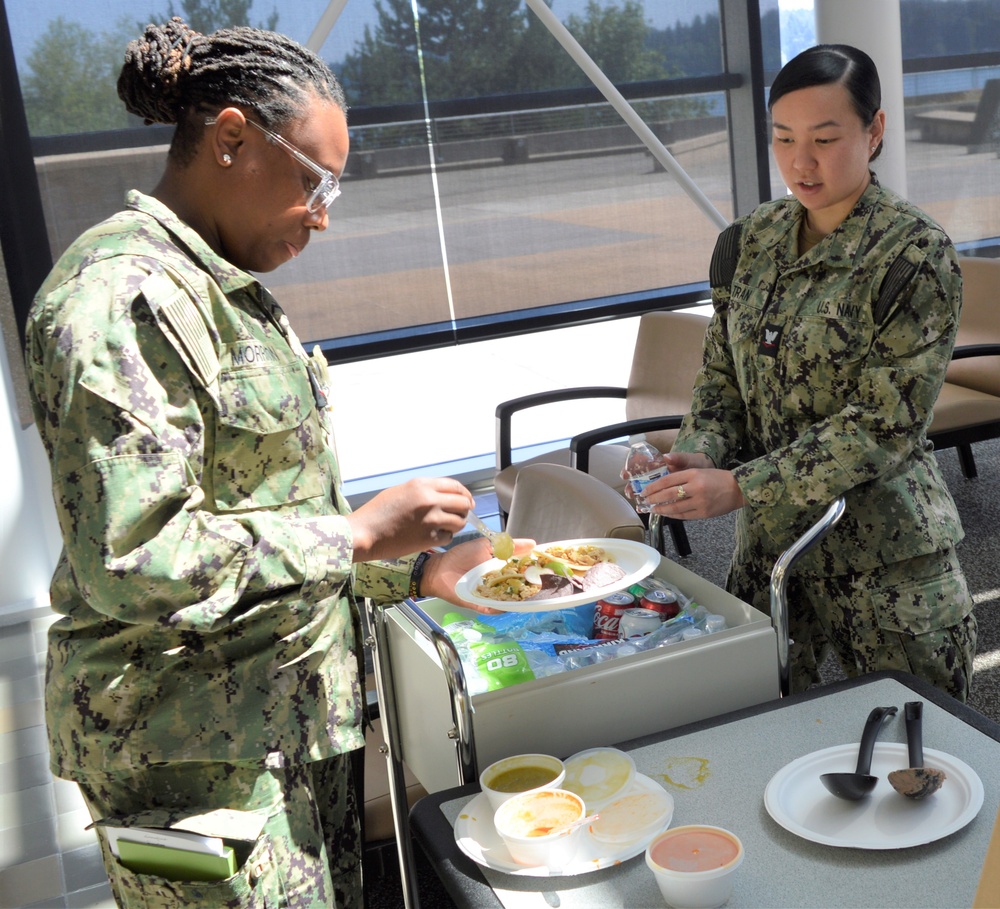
227	159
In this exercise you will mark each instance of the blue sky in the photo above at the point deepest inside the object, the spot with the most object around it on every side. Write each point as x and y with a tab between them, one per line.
28	18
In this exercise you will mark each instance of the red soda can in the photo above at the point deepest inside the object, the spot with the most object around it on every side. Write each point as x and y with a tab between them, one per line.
662	601
607	614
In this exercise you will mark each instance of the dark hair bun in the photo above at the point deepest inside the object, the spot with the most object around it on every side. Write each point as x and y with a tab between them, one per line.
153	66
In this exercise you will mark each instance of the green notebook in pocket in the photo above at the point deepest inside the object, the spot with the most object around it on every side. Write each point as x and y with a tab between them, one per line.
176	864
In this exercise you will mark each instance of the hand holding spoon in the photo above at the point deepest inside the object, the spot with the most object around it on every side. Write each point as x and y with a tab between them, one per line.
500	540
916	781
857	785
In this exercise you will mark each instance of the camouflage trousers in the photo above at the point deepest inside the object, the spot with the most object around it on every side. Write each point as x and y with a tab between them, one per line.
914	616
308	856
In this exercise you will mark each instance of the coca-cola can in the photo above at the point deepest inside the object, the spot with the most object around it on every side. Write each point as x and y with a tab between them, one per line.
662	601
607	614
637	623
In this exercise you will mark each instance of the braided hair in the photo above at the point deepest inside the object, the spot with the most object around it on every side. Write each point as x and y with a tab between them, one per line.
174	74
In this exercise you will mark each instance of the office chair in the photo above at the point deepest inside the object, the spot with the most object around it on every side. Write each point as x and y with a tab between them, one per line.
556	502
967	409
665	361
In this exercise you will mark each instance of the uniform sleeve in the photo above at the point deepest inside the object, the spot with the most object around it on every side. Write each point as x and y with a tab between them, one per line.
131	449
886	408
387	581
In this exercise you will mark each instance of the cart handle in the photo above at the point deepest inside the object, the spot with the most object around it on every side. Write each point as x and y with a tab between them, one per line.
461	700
779	583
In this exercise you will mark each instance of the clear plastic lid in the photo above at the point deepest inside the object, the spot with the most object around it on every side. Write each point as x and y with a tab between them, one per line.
598	775
641	812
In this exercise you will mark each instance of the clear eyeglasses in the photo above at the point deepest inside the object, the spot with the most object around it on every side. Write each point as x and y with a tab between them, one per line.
328	186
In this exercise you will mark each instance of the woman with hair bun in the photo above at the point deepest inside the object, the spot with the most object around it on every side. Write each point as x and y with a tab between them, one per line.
208	654
836	310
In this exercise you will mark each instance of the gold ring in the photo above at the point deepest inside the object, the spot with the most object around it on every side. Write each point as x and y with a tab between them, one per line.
681	494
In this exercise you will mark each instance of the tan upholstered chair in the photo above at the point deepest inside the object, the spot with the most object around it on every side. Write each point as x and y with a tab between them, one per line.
968	407
665	361
557	502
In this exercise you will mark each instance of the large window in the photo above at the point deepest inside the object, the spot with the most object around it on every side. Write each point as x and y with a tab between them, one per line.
489	179
493	188
951	83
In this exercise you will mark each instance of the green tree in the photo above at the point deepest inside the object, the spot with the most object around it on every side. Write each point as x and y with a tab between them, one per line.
694	48
474	48
207	16
615	37
542	61
70	86
931	28
383	68
469	48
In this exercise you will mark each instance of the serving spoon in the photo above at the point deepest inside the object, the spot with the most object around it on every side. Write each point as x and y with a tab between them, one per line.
501	541
857	785
916	781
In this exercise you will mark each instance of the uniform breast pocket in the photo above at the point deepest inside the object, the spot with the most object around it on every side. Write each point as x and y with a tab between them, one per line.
824	359
267	438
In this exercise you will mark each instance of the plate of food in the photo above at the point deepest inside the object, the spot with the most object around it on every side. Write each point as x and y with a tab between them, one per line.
558	575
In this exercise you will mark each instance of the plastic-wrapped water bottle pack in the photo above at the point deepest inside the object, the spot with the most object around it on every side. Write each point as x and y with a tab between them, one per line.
513	647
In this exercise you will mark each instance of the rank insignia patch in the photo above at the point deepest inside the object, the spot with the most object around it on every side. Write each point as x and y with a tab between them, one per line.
770	340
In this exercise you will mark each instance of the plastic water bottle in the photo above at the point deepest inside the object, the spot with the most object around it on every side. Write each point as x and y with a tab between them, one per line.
641	468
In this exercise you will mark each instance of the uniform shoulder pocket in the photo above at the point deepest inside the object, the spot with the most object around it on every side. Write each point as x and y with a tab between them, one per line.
173	305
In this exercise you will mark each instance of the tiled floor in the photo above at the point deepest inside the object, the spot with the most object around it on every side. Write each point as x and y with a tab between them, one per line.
47	857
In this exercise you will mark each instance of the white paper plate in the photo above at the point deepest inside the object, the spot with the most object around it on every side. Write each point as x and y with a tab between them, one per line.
478	839
797	799
637	559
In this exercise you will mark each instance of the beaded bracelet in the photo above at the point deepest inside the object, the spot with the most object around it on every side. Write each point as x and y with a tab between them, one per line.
416	574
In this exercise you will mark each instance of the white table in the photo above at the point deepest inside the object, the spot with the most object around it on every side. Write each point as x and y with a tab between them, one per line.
740	753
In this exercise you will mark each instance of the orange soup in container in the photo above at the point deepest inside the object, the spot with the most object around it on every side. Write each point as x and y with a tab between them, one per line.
695	866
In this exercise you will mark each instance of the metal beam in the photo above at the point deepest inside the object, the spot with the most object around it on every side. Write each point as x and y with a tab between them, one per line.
743	54
625	110
325	25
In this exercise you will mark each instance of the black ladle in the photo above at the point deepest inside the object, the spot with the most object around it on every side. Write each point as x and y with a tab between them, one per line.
857	785
916	781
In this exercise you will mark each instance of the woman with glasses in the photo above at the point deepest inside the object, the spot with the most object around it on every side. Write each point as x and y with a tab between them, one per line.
208	651
836	310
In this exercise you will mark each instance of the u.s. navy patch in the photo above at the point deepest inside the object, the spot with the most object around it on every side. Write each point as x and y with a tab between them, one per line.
770	340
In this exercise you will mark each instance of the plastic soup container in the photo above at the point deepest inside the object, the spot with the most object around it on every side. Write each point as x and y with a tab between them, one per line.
509	776
695	865
535	827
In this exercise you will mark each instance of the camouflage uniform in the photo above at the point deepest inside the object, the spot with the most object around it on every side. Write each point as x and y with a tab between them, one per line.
206	582
818	382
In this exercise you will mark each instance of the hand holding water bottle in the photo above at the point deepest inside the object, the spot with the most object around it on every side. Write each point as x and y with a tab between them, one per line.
643	464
